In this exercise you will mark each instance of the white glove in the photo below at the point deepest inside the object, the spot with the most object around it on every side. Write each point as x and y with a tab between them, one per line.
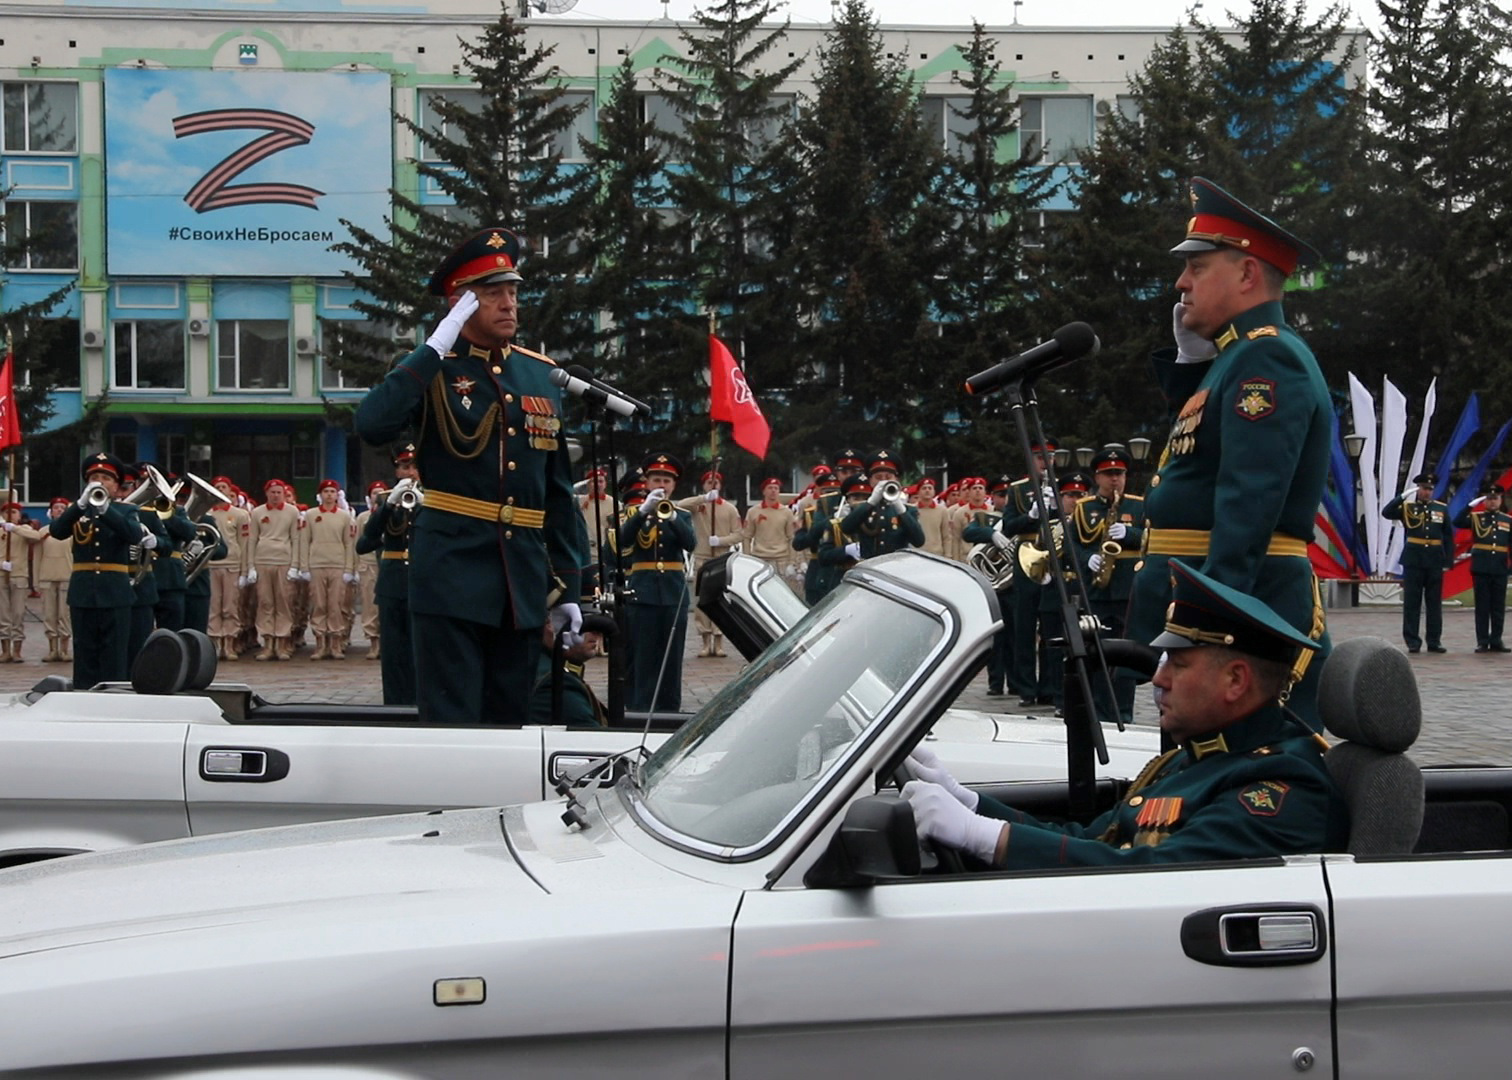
302	514
252	576
1095	563
195	549
11	525
349	578
715	542
853	549
1117	530
445	335
1409	492
793	572
654	496
1034	511
567	621
293	574
1191	347
899	506
926	766
875	498
89	488
304	575
341	498
999	541
242	582
939	818
1473	502
5	565
711	496
149	539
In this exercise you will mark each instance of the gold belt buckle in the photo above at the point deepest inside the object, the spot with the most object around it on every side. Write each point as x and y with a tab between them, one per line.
506	515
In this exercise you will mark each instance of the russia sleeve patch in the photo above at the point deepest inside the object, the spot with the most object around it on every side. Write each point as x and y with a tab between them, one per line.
1256	399
1264	799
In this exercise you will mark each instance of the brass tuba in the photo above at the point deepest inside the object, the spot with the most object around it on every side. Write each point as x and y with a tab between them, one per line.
201	498
995	563
152	490
1035	561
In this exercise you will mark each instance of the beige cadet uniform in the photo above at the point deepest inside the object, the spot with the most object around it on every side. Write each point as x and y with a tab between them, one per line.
52	567
599	531
14	585
932	521
228	578
274	548
960	516
768	535
367	587
721	520
328	554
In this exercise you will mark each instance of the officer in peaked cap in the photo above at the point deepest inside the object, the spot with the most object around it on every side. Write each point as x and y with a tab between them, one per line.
1028	658
654	538
1109	527
847	463
815	520
1246	778
1490	542
1429	551
882	525
1243	388
500	523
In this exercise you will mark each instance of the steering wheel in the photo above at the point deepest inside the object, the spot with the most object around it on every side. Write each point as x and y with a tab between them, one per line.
947	857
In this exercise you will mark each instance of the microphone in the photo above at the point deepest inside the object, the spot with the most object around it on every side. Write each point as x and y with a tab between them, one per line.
578	371
1070	342
590	393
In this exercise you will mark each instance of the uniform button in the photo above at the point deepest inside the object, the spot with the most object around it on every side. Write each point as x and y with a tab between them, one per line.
1155	480
509	534
508	398
512	431
1124	846
498	370
1136	800
509	501
511	466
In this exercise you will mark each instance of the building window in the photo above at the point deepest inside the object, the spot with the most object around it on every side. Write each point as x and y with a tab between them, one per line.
253	354
40	117
660	111
566	142
53	354
1055	129
149	354
50	231
944	118
331	377
1128	107
470	100
1042	226
765	133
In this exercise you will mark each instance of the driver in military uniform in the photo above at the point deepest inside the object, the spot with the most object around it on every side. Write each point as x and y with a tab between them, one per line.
496	546
1246	779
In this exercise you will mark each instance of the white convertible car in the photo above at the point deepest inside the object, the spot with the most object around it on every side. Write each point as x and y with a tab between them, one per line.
750	902
86	772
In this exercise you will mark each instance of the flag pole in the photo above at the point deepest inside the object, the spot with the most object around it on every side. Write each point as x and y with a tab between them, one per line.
10	455
713	424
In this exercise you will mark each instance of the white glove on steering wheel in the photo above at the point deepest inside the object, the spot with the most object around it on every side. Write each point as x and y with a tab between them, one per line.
939	818
925	764
1191	347
445	335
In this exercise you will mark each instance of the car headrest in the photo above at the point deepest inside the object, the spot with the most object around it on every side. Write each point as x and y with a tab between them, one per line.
202	660
162	667
1367	694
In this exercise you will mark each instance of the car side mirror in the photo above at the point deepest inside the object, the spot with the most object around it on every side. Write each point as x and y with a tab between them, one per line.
875	842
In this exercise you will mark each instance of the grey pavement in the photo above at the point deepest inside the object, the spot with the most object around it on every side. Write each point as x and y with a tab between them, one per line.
1466	718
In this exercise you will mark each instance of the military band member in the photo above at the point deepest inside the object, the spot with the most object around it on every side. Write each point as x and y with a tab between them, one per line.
716	527
931	513
168	567
1490	541
1111	516
145	594
977	522
848	463
813	523
228	573
881	526
1239	482
500	524
387	533
197	589
52	567
839	550
14	583
273	554
100	594
329	556
769	530
654	537
1246	779
1021	518
1052	626
367	573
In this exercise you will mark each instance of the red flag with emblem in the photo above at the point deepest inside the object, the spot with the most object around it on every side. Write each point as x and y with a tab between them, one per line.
10	419
731	400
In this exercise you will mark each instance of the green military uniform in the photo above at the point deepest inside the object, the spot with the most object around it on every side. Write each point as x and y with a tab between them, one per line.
1256	788
99	591
497	540
837	551
1490	540
387	532
814	522
168	570
657	614
979	527
581	707
1027	667
197	592
1109	591
1427	554
145	595
1241	477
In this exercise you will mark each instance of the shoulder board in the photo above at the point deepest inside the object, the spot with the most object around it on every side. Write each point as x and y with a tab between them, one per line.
1263	331
542	357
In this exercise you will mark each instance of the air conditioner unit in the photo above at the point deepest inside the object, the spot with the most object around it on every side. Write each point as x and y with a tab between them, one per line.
94	339
304	345
199	327
404	335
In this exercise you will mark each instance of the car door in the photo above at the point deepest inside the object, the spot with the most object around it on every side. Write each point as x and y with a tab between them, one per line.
1424	964
250	776
1107	974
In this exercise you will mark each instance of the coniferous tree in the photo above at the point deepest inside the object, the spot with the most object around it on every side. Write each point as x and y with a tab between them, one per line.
499	163
868	238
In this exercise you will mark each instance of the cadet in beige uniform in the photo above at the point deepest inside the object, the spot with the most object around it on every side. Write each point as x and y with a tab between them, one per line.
273	544
931	517
367	576
769	531
52	567
328	558
716	526
600	517
14	583
228	576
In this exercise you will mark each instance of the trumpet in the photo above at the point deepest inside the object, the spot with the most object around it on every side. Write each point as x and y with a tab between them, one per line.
410	498
889	492
665	511
96	497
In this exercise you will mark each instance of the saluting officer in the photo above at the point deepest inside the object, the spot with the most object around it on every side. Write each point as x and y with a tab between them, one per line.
1428	552
654	537
496	548
1242	473
1113	517
716	526
1490	533
100	594
881	526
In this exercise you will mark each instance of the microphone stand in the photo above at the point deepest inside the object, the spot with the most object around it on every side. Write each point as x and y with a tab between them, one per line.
611	593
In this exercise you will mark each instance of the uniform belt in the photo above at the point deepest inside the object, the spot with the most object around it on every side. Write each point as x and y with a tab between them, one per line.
504	513
1500	549
1192	542
176	554
395	555
674	566
109	567
1423	540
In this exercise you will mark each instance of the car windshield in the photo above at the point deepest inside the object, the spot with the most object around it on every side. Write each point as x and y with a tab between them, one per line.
732	775
781	600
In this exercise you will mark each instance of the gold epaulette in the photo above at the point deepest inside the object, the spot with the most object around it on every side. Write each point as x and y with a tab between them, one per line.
542	357
1263	331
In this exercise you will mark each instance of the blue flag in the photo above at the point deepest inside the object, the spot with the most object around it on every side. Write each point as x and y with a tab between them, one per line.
1469	423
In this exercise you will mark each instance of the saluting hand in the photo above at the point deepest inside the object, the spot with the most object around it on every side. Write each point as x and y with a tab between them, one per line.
445	335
